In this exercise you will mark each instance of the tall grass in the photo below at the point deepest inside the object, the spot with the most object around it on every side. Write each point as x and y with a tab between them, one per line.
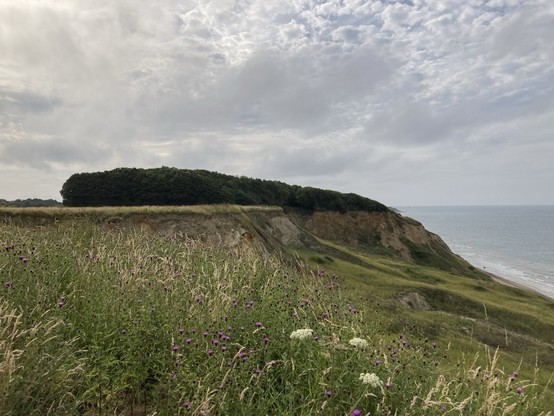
103	320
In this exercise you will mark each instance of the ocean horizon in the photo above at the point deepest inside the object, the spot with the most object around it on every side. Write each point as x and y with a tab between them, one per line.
514	242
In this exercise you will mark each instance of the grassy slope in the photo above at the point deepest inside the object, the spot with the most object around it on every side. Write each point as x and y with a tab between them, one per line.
466	312
470	312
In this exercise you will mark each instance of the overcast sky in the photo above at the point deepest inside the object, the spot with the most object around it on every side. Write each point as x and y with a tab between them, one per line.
413	102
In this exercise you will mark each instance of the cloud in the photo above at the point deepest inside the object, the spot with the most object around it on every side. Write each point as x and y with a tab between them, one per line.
362	96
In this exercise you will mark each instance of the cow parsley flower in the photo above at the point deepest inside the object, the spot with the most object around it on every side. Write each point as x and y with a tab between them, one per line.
302	334
359	343
370	378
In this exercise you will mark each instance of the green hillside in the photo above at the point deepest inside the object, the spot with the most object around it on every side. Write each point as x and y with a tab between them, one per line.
104	317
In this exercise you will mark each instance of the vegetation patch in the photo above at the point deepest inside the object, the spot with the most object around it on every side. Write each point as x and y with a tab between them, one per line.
98	319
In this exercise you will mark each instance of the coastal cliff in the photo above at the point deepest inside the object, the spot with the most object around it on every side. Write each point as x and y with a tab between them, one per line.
266	229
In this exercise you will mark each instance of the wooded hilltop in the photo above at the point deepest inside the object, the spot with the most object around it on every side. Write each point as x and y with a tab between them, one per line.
172	186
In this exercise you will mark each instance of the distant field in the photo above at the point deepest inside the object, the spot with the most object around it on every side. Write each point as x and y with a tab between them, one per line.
151	210
116	320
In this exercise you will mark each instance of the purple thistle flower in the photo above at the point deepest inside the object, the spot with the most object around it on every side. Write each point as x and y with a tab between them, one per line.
186	405
356	412
388	384
174	348
327	393
188	340
61	303
215	341
519	390
377	362
258	324
210	353
181	330
223	348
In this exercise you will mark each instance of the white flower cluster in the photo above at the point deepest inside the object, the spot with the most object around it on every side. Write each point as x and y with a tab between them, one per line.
370	378
302	334
358	343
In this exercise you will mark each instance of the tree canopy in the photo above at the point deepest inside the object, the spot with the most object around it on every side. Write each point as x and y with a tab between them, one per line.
172	186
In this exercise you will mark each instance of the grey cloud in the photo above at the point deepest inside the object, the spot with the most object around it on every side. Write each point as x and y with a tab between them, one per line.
26	102
353	94
42	154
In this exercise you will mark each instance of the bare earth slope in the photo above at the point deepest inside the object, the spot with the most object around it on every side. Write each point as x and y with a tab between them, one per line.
383	233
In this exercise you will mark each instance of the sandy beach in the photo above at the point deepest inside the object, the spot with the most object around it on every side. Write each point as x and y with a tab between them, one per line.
507	282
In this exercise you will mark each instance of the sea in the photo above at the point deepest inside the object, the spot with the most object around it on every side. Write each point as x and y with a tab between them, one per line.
514	242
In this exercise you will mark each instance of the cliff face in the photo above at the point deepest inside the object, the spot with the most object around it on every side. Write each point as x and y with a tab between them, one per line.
386	233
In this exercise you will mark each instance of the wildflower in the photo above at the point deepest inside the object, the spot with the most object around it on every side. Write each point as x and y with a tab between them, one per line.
519	390
359	343
61	303
181	330
377	362
174	348
210	353
327	393
370	378
258	324
188	340
356	412
388	384
302	334
513	376
186	405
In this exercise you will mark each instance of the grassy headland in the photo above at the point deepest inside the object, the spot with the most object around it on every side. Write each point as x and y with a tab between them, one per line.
105	319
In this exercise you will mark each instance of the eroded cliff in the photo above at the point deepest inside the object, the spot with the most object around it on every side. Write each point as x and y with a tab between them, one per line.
385	233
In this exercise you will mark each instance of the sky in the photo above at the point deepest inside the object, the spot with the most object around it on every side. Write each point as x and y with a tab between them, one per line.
409	102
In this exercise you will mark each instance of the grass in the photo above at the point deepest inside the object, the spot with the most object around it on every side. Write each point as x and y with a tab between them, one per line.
104	213
97	319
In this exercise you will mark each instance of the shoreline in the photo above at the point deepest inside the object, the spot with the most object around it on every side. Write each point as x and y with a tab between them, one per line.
507	282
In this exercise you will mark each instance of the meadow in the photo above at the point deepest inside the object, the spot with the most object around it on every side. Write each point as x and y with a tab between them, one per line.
98	319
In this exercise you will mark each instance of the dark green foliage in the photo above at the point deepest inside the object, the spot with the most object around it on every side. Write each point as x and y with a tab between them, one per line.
30	202
172	186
